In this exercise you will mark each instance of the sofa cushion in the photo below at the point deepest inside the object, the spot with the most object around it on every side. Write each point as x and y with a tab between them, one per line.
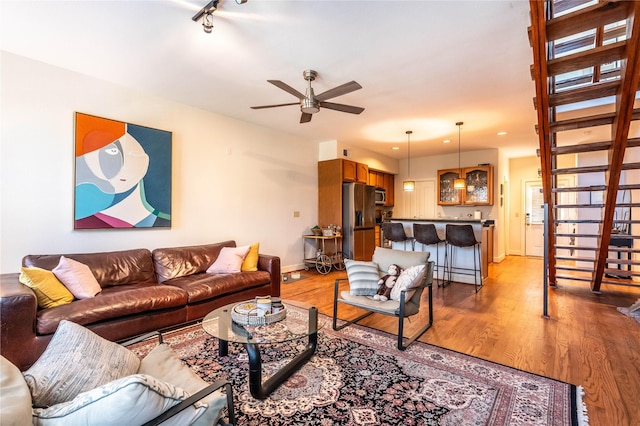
76	360
77	278
109	268
49	291
204	286
112	303
131	400
175	262
15	398
229	260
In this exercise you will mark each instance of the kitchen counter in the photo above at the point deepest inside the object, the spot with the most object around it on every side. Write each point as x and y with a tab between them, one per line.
484	222
482	228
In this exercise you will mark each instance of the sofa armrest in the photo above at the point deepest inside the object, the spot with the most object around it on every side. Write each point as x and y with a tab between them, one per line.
271	264
18	308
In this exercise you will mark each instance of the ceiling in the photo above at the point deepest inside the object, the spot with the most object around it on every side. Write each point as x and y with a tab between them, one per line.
423	65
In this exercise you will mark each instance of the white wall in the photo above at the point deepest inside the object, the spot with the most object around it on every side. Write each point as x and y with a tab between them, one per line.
249	195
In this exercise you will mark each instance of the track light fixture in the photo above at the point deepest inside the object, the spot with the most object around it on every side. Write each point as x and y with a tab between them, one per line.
206	14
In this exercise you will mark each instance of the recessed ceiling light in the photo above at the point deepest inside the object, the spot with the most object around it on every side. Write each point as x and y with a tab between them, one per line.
446	141
395	148
502	133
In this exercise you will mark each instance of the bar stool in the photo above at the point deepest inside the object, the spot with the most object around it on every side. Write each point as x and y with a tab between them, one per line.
395	232
426	234
462	236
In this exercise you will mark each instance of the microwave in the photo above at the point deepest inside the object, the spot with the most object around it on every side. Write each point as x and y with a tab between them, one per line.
381	196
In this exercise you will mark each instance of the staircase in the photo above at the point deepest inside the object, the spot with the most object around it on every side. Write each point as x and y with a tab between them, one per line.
586	68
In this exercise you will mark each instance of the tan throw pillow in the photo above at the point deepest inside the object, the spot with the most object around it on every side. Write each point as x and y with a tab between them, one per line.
408	279
250	262
229	260
49	291
76	361
77	277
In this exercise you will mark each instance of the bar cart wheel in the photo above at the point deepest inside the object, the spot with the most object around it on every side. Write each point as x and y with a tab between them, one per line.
323	264
338	261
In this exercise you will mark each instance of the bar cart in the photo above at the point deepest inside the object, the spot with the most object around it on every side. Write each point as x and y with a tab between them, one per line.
324	259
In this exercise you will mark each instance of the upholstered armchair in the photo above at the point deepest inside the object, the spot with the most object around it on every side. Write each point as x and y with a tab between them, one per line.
405	301
83	379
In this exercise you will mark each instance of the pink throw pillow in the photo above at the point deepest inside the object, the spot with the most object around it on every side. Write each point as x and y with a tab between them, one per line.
77	278
229	260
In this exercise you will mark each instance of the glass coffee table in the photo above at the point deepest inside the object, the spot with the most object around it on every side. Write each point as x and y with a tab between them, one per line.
300	322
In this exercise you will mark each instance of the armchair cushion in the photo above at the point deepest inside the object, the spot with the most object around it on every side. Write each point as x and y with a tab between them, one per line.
164	364
76	360
405	259
131	400
363	277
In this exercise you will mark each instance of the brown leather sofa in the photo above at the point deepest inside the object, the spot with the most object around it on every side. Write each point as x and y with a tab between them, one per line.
142	291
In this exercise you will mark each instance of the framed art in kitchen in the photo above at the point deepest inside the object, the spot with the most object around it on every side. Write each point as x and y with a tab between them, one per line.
122	175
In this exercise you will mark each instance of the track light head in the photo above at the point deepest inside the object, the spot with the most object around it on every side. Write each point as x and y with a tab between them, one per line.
206	13
207	23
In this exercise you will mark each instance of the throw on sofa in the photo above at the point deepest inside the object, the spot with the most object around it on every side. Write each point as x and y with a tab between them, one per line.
141	291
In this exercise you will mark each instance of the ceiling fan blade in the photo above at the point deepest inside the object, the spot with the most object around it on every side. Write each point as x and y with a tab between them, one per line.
286	88
305	117
338	91
274	106
341	107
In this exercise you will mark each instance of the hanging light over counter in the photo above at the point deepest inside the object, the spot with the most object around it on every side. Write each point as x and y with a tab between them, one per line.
409	185
459	183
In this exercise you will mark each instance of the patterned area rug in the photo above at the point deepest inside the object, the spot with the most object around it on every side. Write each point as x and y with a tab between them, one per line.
358	377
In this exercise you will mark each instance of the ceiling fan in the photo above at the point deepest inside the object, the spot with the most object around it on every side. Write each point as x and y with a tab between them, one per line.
311	103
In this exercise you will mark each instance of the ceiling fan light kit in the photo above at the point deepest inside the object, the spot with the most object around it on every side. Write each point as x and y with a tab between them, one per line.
310	103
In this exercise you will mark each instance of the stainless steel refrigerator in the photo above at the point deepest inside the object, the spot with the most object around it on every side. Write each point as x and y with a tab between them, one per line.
358	221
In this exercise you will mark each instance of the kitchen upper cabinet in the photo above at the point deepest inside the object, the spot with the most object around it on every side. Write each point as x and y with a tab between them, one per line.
349	170
478	186
447	195
354	172
388	180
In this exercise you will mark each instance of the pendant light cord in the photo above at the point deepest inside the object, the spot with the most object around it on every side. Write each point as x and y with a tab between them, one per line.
408	132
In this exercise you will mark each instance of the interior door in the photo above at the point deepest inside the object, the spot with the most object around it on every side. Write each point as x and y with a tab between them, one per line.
534	218
421	203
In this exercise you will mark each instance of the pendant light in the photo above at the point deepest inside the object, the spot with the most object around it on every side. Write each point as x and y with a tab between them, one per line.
409	185
459	183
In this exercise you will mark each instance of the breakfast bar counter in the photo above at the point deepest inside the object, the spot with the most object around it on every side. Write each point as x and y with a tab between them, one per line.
483	230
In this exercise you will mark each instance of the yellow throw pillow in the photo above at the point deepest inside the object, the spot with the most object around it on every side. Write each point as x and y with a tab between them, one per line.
250	262
49	291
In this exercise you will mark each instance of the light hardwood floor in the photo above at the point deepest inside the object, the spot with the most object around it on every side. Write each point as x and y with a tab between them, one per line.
585	341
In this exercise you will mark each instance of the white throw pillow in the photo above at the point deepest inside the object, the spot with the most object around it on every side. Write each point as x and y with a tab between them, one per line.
77	278
164	364
408	279
229	260
131	400
363	277
76	361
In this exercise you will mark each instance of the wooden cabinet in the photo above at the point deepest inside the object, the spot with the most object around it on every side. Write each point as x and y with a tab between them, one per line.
354	172
388	185
362	173
478	186
447	195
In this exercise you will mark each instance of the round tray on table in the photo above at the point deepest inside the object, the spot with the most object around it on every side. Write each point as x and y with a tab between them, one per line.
246	313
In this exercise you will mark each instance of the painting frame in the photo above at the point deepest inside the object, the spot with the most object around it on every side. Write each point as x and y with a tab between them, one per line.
123	174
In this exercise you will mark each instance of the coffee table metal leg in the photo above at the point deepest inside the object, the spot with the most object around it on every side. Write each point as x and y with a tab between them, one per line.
261	390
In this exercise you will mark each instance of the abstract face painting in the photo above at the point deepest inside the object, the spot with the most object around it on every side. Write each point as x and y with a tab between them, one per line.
123	175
